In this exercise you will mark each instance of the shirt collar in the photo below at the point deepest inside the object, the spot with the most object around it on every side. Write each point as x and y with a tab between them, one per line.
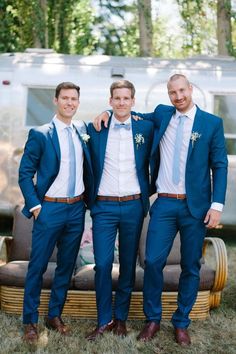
116	121
60	126
190	114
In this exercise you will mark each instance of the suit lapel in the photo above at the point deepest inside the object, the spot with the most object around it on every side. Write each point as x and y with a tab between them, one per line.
159	134
53	134
103	135
136	130
83	143
197	127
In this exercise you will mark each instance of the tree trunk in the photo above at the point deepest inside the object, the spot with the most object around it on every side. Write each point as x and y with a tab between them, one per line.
224	35
145	27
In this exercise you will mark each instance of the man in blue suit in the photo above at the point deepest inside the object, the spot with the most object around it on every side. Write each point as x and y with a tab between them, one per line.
57	154
120	158
189	173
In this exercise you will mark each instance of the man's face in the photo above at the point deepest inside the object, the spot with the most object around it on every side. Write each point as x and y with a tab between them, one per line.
122	102
180	94
67	104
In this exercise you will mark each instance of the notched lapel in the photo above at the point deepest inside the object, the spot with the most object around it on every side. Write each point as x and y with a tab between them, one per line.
53	134
197	127
137	129
103	135
158	134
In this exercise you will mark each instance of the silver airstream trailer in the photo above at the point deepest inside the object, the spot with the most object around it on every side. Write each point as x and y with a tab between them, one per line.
28	80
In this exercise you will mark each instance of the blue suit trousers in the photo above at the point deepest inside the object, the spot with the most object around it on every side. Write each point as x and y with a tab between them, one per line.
110	218
168	216
57	224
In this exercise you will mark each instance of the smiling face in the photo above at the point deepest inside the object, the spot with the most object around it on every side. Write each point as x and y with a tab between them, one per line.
67	103
121	103
180	93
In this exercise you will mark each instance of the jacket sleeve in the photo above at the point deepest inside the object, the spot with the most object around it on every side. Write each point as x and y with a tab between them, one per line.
28	167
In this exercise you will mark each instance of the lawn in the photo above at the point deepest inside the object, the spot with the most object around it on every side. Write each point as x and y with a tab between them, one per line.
215	335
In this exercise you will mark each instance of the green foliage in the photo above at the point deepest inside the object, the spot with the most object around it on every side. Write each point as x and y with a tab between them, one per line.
107	27
199	24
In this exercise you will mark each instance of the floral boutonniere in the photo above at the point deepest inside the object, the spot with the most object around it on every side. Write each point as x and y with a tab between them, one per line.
194	137
139	139
85	137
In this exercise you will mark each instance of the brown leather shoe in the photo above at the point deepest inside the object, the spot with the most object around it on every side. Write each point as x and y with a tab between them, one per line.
31	333
120	328
56	324
182	336
100	330
148	331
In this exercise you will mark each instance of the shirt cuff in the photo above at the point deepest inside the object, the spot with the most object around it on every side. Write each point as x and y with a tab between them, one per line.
217	206
35	207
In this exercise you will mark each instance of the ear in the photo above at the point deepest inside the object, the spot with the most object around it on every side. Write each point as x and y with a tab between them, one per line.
133	101
55	101
110	101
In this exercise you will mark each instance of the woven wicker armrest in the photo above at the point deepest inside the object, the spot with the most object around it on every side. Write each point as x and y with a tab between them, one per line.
220	260
5	244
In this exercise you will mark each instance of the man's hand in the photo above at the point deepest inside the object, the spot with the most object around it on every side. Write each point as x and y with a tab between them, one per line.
36	212
103	117
212	218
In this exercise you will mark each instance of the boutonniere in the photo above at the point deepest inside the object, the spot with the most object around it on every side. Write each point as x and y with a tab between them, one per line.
139	139
85	137
194	137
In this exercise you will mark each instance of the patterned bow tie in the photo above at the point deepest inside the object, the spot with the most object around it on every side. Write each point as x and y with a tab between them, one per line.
122	125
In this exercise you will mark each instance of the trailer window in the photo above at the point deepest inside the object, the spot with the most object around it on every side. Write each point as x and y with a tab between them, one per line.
40	108
225	107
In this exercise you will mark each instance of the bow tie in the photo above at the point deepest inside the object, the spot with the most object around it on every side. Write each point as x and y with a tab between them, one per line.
122	125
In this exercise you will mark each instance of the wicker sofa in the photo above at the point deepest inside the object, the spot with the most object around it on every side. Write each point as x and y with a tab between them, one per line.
80	303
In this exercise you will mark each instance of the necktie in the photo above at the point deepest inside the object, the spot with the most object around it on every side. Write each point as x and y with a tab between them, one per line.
72	164
122	125
177	150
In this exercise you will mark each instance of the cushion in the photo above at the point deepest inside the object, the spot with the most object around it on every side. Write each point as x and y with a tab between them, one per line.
22	234
14	274
174	256
84	277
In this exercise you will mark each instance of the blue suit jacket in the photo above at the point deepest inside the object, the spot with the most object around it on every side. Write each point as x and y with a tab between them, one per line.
205	157
98	142
42	158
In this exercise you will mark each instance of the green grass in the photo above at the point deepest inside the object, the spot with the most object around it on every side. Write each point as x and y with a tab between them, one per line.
217	334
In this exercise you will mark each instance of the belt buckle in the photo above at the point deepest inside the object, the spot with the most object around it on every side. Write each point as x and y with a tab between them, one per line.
68	200
119	199
178	196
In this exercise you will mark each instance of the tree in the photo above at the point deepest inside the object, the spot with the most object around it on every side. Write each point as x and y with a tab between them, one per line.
224	28
145	27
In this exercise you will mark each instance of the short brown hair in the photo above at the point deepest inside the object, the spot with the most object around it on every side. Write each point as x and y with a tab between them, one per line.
66	86
122	84
176	77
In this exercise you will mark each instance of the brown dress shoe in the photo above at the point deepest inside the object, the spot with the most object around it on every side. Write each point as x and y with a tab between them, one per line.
120	328
56	324
31	333
100	330
148	331
182	336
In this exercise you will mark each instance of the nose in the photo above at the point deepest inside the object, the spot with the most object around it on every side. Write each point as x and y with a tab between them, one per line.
179	95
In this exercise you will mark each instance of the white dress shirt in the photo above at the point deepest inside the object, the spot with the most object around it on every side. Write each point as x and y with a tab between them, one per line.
164	181
119	177
60	185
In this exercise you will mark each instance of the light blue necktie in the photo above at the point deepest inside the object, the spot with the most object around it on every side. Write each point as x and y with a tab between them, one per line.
122	125
72	164
177	150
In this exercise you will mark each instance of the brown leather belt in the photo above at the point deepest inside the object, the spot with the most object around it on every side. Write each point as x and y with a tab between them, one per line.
175	196
118	199
64	200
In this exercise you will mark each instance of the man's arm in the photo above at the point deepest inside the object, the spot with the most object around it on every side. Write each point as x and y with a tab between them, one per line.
219	164
104	117
27	170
